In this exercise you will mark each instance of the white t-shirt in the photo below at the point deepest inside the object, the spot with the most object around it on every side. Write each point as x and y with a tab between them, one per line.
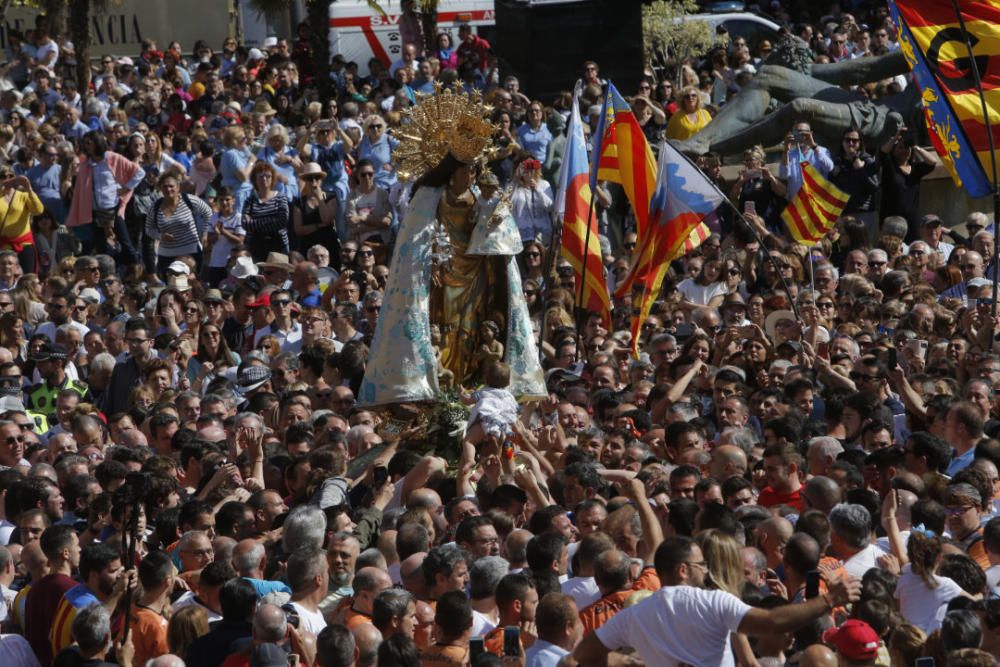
863	561
700	294
583	590
312	621
222	245
481	624
922	606
678	624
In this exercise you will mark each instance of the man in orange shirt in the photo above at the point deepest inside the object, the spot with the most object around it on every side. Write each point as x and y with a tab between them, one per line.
517	600
357	609
612	572
147	620
453	619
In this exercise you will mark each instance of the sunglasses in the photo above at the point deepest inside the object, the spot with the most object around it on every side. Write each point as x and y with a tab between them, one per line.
280	302
366	253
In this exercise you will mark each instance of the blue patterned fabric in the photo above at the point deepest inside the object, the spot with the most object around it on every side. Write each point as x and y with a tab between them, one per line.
401	363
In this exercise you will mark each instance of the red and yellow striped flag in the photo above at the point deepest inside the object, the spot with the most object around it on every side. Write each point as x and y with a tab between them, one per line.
697	237
573	205
815	209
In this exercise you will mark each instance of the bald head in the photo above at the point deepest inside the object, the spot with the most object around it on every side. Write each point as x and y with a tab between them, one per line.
167	660
728	461
34	561
772	536
269	624
211	433
821	493
367	639
248	558
132	439
425	498
818	655
516	546
411	573
905	500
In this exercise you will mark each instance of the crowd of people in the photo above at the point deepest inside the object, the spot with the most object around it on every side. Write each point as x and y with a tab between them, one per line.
799	466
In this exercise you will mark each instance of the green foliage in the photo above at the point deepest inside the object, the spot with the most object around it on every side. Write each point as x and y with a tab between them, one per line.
668	39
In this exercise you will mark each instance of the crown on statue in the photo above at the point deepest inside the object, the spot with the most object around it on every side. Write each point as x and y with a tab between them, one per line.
450	121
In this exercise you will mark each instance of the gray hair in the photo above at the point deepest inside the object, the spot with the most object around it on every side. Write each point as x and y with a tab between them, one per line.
827	266
305	526
247	416
978	217
895	225
92	627
247	560
742	437
103	362
188	537
826	446
685	410
662	338
757	557
291	361
6	558
304	565
852	523
357	433
485	574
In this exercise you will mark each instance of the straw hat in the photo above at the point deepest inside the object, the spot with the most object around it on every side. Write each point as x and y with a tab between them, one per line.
312	168
276	260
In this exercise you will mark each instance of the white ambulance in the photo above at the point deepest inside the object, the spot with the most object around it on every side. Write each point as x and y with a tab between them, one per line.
360	33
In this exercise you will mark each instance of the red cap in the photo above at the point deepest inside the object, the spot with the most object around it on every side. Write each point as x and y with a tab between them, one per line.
262	300
854	639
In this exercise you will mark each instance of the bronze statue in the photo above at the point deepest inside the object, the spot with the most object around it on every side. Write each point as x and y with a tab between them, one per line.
812	92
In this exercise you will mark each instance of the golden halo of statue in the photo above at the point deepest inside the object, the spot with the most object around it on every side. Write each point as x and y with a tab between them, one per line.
449	122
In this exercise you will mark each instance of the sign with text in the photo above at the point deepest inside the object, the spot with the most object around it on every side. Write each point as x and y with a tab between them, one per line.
121	29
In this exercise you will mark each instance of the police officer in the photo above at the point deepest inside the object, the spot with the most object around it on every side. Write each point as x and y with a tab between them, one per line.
50	361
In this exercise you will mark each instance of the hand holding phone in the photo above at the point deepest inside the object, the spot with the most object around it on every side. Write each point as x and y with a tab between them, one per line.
512	641
812	584
380	476
749	208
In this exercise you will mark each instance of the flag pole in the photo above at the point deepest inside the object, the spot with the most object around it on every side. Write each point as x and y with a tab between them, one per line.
756	236
993	156
760	241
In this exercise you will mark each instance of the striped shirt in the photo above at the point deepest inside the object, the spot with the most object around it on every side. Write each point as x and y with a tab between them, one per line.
187	224
267	218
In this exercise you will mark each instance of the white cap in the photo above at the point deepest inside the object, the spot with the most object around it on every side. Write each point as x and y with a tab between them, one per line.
90	295
178	266
255	54
270	42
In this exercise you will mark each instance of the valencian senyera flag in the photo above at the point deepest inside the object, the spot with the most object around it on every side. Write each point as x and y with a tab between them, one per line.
932	39
573	202
681	199
622	155
815	208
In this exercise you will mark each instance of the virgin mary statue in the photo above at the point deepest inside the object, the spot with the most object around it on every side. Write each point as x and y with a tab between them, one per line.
454	266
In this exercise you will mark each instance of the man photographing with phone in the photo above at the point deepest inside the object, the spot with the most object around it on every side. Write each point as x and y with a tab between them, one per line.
801	146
